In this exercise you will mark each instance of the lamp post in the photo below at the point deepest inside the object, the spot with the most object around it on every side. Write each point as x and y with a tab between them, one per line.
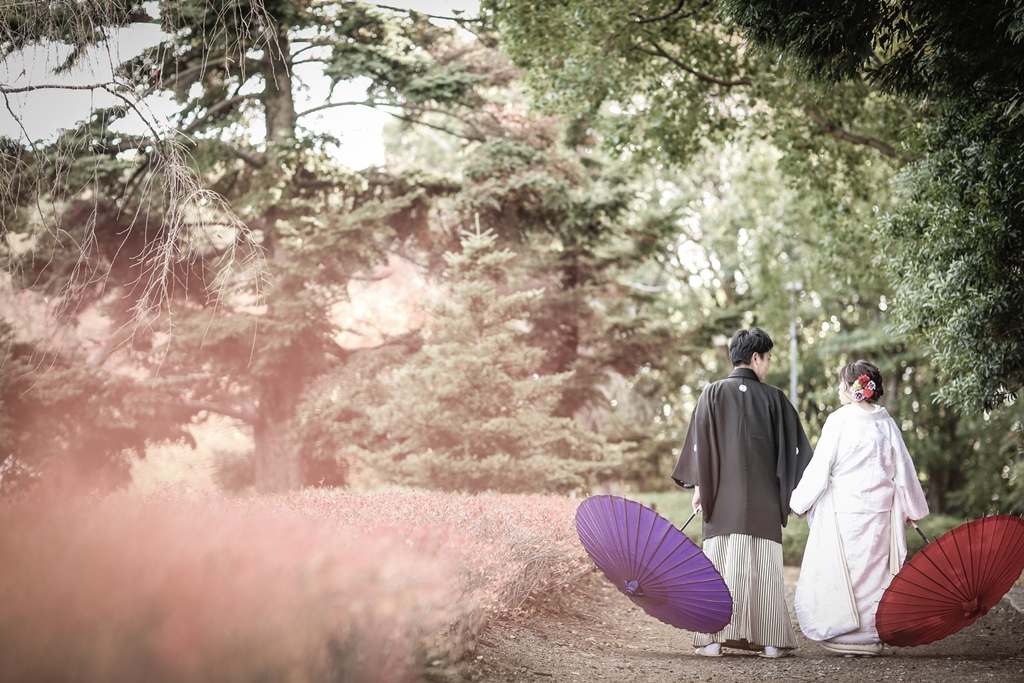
794	287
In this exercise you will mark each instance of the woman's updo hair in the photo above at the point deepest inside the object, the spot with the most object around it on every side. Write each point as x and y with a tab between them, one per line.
851	372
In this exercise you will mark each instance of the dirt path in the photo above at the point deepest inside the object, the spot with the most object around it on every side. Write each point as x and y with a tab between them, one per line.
608	638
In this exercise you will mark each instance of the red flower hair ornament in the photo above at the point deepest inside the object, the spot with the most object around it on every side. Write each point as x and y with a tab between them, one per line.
863	388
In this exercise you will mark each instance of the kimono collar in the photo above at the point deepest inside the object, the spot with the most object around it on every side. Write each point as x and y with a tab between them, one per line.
857	413
744	373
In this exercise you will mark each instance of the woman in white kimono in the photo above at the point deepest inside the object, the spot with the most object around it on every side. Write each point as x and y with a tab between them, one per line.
858	491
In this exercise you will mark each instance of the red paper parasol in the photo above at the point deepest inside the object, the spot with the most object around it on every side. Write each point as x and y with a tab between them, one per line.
952	582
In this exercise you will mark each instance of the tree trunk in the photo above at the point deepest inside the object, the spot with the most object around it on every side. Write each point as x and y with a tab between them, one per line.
278	100
278	466
893	402
936	489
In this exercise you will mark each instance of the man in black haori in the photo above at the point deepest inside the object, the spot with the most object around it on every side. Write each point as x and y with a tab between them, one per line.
744	454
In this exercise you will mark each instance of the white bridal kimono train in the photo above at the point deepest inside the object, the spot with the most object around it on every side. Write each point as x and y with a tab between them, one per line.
858	490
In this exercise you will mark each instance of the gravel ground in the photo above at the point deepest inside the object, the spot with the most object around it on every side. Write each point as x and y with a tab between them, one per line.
607	638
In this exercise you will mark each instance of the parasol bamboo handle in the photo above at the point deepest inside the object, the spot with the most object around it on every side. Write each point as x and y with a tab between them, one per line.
918	529
690	519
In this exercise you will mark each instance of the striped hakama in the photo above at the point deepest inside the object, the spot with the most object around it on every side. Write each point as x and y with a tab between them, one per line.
752	569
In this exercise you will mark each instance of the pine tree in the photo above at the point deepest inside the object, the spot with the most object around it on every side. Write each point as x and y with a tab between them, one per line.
469	410
220	247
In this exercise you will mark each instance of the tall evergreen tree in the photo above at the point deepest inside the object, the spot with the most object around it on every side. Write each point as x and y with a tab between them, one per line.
220	248
473	409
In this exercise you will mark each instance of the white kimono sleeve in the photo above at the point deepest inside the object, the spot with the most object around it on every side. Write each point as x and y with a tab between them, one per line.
909	494
815	477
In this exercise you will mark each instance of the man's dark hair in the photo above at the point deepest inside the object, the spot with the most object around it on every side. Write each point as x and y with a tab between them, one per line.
745	343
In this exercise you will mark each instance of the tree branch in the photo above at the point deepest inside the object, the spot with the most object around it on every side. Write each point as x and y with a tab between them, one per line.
309	45
254	160
134	107
10	110
331	105
139	144
689	69
215	109
649	289
245	413
7	90
478	137
173	78
465	23
404	10
133	182
677	10
834	130
344	354
475	137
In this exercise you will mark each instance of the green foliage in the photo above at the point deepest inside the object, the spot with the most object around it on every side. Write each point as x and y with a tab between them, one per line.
833	40
794	540
666	78
59	412
469	410
333	423
810	209
220	253
681	182
588	236
993	465
958	256
752	179
910	47
933	526
953	244
660	80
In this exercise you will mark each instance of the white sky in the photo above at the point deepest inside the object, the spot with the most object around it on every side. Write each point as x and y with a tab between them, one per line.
41	113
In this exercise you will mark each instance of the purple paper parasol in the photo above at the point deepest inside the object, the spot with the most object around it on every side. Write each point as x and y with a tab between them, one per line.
654	564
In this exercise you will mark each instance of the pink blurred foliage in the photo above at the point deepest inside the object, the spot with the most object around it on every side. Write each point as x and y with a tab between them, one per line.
122	589
311	586
515	552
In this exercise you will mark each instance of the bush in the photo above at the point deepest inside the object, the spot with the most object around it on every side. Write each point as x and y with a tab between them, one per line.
124	589
933	526
794	540
317	586
514	552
